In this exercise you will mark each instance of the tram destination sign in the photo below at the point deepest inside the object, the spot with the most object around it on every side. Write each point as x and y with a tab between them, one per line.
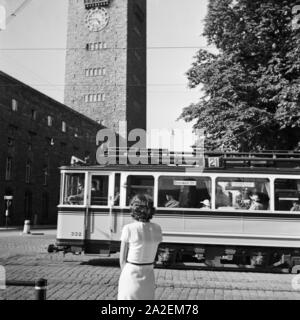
184	183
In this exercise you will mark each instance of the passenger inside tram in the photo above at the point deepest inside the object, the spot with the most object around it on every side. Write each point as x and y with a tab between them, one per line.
171	202
296	206
222	199
242	200
242	194
205	204
77	198
256	202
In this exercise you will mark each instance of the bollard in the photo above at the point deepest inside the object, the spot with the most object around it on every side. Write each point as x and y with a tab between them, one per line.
41	289
26	226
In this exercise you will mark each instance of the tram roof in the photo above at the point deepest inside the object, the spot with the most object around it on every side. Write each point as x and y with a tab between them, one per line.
161	160
190	169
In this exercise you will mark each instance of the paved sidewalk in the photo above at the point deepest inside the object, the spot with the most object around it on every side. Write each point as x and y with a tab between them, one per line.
90	277
20	228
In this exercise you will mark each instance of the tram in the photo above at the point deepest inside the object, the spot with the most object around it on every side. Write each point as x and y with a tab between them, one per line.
233	210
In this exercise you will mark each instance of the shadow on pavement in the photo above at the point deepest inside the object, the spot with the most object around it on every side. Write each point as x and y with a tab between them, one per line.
103	262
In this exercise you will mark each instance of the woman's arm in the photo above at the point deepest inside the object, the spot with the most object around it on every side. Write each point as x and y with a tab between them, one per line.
123	253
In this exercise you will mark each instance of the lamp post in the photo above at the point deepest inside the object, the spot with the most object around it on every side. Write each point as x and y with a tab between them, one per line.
8	202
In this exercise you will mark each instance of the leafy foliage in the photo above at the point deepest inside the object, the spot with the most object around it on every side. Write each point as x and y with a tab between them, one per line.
251	88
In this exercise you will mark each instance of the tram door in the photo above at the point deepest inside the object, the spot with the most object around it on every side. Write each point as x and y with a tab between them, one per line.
131	185
99	209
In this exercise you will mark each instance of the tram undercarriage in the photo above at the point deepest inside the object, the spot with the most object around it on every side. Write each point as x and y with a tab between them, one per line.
207	256
276	259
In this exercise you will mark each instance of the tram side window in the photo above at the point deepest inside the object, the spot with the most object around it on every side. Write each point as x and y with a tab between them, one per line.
99	191
74	189
184	192
242	193
287	195
139	185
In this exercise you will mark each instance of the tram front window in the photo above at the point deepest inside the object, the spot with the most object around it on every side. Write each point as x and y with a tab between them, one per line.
287	195
139	185
74	189
99	191
242	193
184	192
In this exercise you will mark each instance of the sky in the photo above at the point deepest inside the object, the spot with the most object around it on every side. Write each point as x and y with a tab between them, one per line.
174	29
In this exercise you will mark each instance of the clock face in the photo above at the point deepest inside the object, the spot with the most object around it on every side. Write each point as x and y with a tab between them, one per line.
97	19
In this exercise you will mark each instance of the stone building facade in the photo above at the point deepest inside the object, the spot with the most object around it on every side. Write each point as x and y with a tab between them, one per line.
106	61
37	136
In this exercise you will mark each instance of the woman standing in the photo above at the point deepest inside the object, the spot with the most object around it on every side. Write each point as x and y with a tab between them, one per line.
139	242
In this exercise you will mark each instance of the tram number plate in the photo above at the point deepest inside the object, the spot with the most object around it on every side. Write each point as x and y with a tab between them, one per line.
76	234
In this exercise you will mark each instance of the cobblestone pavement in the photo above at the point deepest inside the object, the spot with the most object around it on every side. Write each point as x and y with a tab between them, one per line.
92	278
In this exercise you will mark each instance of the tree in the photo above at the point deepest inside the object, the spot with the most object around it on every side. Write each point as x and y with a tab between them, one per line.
251	87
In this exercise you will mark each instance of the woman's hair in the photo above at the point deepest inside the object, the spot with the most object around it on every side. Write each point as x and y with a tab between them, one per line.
142	207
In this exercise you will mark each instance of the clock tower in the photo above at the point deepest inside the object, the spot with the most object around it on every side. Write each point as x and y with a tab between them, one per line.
106	61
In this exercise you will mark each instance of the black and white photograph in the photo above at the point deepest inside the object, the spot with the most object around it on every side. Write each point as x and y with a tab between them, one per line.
150	150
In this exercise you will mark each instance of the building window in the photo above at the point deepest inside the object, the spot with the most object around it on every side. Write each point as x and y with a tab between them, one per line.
33	114
10	142
96	46
49	141
14	105
28	172
63	146
63	126
100	97
45	205
8	169
94	97
45	174
93	72
50	121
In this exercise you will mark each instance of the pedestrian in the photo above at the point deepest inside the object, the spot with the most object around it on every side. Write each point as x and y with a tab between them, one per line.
139	243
